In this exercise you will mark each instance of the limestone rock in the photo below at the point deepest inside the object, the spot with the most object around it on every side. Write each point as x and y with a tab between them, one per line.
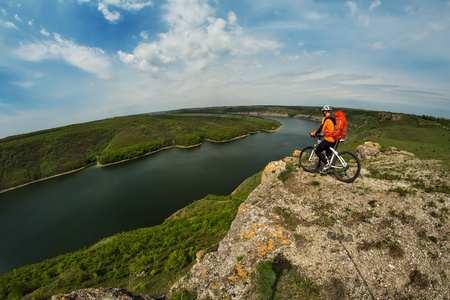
368	150
371	149
351	245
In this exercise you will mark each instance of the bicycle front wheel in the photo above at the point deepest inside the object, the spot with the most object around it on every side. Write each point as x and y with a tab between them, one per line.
309	160
346	166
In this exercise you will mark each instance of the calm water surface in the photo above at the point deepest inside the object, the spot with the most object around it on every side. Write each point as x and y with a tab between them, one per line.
67	213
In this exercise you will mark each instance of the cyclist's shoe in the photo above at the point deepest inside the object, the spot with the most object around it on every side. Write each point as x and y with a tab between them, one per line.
325	169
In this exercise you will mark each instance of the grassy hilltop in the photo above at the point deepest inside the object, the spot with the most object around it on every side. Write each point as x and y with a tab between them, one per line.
425	136
163	253
29	157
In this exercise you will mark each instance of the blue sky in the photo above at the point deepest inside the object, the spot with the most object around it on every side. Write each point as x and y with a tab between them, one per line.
72	61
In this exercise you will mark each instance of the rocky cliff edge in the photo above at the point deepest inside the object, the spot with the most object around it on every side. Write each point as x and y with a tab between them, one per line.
385	236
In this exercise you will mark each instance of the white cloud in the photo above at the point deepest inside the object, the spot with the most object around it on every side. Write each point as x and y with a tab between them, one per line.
109	8
92	60
8	24
293	57
17	18
195	38
144	35
375	4
352	6
111	16
24	84
45	32
305	55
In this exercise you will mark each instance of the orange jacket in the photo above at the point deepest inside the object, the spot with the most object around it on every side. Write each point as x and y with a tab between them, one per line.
327	128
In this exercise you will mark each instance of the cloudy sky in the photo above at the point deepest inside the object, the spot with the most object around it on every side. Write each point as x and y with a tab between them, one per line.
71	61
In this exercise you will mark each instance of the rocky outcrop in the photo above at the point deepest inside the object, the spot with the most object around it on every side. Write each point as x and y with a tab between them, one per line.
372	239
257	234
371	149
388	116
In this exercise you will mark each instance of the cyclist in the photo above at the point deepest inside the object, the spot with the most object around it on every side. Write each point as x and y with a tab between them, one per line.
326	126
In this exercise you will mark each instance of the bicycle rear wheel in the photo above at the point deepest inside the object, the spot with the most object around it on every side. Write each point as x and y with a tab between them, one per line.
346	167
308	160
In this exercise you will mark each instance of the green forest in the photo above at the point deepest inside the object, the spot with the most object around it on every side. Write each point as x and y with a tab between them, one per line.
30	157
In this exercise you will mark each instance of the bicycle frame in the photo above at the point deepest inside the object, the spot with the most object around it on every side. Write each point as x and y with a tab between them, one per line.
335	154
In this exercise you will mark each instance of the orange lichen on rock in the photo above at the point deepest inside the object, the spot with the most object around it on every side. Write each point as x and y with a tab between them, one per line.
240	270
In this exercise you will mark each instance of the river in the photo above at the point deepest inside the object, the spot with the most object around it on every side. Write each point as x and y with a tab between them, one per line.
69	212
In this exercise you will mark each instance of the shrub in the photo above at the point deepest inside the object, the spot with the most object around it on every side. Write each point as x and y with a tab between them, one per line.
177	260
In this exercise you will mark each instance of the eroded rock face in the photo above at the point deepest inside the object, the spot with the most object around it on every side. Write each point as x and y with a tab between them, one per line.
256	234
371	149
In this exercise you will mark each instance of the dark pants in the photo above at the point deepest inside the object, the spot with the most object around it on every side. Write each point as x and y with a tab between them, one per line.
324	145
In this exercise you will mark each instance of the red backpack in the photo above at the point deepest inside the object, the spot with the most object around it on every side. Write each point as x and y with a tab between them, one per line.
340	128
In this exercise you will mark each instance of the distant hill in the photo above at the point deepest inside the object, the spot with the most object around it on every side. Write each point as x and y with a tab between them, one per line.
426	136
34	156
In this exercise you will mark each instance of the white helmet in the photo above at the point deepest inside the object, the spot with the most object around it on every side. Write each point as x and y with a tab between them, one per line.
327	108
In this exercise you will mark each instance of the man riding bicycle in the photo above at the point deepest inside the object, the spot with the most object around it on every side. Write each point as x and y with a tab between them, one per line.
327	126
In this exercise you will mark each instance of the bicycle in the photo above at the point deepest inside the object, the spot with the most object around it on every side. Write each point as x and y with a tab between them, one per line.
345	165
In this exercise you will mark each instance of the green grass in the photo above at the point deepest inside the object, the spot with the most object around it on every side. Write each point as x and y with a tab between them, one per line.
277	279
427	139
161	253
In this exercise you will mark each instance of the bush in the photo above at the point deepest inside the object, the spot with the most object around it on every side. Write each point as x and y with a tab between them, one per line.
177	260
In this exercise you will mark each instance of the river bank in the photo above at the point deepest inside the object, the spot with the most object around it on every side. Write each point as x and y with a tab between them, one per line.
185	147
137	157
